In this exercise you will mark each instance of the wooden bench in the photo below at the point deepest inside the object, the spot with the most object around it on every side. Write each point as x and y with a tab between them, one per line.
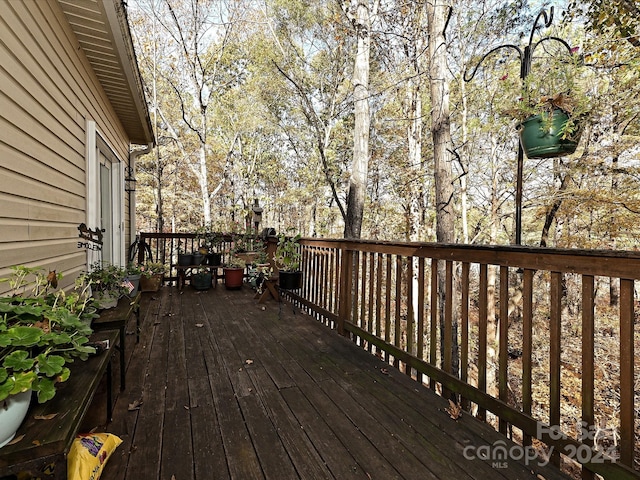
42	451
116	319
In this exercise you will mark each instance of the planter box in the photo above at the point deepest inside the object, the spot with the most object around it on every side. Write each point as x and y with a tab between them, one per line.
151	284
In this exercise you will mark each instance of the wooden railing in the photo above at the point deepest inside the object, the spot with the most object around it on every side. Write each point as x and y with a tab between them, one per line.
164	248
563	371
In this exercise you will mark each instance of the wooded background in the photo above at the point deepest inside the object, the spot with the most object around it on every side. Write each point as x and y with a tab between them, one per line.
352	118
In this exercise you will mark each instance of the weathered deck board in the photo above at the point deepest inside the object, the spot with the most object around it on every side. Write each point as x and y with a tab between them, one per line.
232	391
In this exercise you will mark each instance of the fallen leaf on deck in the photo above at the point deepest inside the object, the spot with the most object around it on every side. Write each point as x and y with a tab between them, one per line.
45	417
248	361
384	371
16	440
36	443
199	325
135	405
454	410
186	407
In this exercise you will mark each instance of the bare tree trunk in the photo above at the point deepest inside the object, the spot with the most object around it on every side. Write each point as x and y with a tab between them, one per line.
562	181
437	13
359	169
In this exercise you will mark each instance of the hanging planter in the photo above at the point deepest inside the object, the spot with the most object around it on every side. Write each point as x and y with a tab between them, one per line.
151	283
543	136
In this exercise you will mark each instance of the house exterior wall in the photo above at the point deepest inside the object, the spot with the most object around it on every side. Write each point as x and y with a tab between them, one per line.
48	96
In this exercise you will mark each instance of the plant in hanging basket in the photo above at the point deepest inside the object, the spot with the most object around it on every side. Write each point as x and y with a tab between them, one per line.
152	276
553	105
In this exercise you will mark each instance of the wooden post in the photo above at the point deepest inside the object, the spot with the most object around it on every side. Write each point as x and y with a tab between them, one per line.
346	285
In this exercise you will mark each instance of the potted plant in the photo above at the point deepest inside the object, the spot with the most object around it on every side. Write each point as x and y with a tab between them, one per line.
287	259
201	278
552	107
215	241
41	331
107	283
247	247
234	272
184	259
152	276
554	130
133	274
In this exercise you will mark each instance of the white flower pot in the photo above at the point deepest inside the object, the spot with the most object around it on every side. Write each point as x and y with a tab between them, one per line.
13	409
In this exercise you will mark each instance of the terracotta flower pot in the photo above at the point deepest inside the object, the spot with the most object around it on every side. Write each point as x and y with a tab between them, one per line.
233	278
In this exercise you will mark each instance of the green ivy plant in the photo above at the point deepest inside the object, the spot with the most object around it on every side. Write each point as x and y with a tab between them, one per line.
41	331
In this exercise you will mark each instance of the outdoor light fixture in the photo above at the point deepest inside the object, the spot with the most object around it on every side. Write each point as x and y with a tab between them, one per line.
129	180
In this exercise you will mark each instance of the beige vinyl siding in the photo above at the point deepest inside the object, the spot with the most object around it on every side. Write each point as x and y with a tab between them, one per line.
47	93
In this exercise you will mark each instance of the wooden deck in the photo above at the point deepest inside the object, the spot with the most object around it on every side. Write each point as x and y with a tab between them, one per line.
229	388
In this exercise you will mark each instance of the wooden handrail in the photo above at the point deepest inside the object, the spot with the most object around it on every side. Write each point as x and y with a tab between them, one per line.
388	298
429	310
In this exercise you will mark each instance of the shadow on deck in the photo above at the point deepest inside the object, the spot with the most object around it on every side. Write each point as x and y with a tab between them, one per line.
229	388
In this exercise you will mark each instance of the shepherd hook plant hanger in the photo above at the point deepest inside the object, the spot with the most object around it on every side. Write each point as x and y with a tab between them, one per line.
526	58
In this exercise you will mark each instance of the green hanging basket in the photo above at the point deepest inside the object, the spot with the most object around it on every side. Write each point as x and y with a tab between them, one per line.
542	137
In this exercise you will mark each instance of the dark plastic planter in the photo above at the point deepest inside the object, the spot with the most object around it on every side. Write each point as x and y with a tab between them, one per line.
290	280
201	281
185	259
543	139
214	259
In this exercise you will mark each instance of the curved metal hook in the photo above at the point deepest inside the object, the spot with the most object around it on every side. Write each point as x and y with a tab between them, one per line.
468	78
557	39
547	22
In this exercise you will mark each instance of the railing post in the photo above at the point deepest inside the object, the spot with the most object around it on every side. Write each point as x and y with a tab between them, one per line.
346	286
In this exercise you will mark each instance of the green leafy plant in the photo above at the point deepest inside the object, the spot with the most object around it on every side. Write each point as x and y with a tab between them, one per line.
288	255
559	82
41	331
106	278
150	269
134	269
236	262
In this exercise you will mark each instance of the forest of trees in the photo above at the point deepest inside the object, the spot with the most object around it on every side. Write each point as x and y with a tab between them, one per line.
353	118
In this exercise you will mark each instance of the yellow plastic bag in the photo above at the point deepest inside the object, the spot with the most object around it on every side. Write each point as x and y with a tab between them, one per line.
89	454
